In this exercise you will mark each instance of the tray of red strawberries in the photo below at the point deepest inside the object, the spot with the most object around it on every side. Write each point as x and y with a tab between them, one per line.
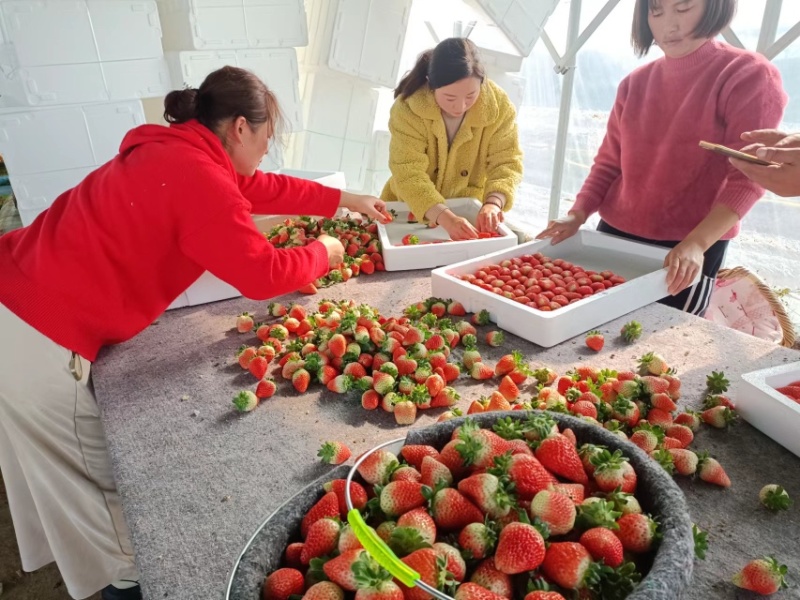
530	505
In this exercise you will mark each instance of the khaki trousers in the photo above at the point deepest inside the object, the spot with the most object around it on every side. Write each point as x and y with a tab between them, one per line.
55	464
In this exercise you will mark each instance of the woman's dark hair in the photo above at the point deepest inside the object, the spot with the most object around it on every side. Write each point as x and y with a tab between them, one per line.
226	93
452	60
717	16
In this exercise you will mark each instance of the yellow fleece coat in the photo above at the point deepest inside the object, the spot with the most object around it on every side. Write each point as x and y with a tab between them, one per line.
484	157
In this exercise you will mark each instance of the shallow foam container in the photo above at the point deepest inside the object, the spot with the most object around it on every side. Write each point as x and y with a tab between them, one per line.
398	257
640	264
765	408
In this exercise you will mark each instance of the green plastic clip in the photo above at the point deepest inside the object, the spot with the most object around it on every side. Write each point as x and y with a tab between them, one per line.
378	549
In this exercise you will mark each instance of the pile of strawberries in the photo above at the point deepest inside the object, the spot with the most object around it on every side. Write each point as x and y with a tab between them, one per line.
791	391
359	236
516	511
541	283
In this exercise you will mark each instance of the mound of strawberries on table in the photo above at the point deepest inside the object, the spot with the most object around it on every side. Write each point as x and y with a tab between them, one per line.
359	236
540	282
520	511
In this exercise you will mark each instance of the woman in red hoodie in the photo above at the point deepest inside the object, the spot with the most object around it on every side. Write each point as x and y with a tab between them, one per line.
101	264
650	180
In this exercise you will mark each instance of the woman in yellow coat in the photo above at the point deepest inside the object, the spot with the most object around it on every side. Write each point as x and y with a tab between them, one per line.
454	134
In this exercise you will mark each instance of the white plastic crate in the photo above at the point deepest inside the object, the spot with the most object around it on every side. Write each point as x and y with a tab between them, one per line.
640	264
227	24
321	18
521	20
277	68
65	32
338	106
40	190
368	37
398	257
88	136
760	404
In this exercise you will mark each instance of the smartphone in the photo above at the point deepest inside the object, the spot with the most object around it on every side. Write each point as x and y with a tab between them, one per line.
719	149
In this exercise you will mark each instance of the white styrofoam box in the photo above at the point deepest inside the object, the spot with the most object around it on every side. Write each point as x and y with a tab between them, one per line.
496	50
41	189
91	82
321	18
87	136
760	404
368	37
640	264
379	154
354	163
339	107
374	181
225	24
334	179
521	20
47	32
512	84
317	152
276	67
179	302
398	257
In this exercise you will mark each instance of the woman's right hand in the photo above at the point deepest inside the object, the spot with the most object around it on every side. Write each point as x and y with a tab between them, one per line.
458	228
562	229
334	248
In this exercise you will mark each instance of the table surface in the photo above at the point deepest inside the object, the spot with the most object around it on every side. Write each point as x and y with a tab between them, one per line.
196	479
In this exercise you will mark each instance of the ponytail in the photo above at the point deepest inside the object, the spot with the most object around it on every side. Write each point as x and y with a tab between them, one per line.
452	60
416	77
181	105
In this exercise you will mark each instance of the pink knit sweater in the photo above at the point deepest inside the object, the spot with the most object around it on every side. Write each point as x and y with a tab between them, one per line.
649	177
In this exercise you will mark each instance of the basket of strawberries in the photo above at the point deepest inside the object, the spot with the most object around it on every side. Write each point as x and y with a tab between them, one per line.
512	505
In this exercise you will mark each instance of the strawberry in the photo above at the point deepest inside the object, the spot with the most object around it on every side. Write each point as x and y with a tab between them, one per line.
425	563
473	591
399	497
651	385
491	578
327	506
370	400
452	559
322	539
245	401
495	338
374	582
337	344
764	576
340	569
334	453
508	388
555	509
405	412
717	383
603	545
326	374
451	510
447	397
774	497
652	364
574	491
383	383
488	494
435	384
613	471
340	384
663	401
465	328
456	309
296	311
410	240
681	433
631	331
711	471
595	340
525	472
406	473
358	494
659	418
584	408
266	388
324	590
520	548
300	380
543	595
244	322
478	540
480	318
276	309
719	416
245	355
569	565
434	473
282	584
497	401
378	467
420	521
558	454
437	307
684	461
481	371
637	532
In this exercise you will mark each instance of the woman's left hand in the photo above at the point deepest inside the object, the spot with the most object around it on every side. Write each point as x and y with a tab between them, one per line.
489	218
369	206
684	262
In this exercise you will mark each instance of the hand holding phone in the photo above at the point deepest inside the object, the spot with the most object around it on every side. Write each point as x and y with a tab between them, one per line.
719	149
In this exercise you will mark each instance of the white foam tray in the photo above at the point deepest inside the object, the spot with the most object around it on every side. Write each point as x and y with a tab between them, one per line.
640	264
765	408
397	257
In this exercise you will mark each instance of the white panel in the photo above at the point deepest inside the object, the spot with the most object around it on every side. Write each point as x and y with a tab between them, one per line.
379	154
361	117
137	78
126	30
374	181
319	152
28	215
41	190
496	8
326	99
273	161
50	33
524	22
191	68
218	24
322	17
512	84
355	156
275	23
209	289
383	41
62	84
107	125
278	69
349	32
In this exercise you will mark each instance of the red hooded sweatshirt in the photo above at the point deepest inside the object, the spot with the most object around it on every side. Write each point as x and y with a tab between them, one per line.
111	254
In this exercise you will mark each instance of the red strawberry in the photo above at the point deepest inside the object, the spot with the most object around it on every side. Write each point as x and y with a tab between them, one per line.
420	520
296	311
488	494
434	472
456	309
509	389
340	384
334	453
495	338
435	384
555	509
378	467
337	344
719	416
424	562
520	548
711	471
266	351
603	545
681	433
473	591
490	577
595	340
527	474
340	569
654	385
543	595
685	461
244	322
245	401
324	590
454	562
410	240
405	412
663	401
326	374
558	454
327	506
452	511
406	473
652	364
322	539
764	576
276	309
574	491
481	371
370	400
613	471
266	388
477	539
300	380
309	289
358	495
245	355
447	397
568	564
414	454
497	401
282	584
637	532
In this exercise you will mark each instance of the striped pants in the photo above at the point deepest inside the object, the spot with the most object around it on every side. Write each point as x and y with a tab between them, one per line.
693	299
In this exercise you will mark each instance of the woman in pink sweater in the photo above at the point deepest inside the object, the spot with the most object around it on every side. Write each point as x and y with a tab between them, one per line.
650	180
